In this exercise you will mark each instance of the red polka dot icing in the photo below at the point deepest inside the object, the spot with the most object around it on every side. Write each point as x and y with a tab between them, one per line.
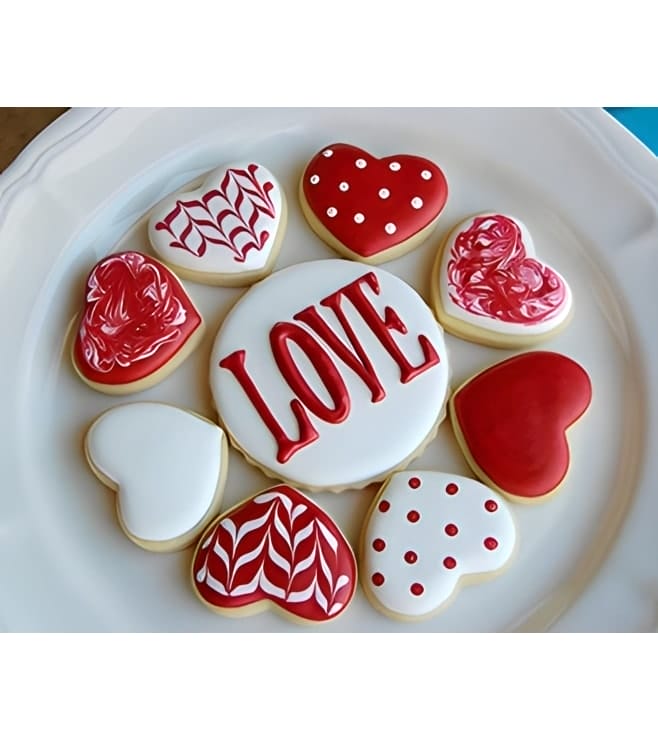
452	489
414	482
378	544
452	536
371	205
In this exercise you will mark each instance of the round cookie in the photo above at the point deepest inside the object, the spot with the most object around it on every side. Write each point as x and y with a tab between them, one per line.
168	467
137	326
511	421
426	533
489	287
226	232
370	209
277	550
330	374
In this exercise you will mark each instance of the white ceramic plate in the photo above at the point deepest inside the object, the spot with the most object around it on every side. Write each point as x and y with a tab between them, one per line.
588	559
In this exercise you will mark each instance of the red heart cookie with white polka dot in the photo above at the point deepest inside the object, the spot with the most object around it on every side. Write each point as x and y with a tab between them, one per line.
371	209
425	531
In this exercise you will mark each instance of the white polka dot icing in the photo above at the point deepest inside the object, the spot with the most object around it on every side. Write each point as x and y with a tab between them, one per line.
332	212
426	175
314	179
359	218
390	228
382	190
426	530
327	152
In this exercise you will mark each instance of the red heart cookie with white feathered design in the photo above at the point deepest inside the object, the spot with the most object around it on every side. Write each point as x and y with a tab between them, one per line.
488	285
137	326
370	209
277	548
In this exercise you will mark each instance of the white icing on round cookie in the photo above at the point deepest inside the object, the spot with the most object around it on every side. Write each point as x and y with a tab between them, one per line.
491	279
226	227
168	465
424	532
330	374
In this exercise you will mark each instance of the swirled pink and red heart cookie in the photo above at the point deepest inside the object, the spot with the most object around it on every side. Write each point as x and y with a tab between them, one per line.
168	467
277	549
511	422
137	326
226	232
488	286
371	209
330	374
426	533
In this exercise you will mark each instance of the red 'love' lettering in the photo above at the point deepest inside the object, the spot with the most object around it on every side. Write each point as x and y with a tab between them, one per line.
355	357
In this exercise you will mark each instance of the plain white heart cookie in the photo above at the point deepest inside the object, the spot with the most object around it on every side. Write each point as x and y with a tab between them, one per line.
168	467
424	533
226	232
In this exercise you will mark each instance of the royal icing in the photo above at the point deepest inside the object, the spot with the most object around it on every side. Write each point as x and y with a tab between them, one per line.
371	205
319	367
228	226
426	530
137	317
167	464
279	547
513	419
490	278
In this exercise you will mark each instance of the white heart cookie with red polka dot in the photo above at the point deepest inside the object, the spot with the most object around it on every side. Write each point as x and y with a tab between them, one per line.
371	209
424	533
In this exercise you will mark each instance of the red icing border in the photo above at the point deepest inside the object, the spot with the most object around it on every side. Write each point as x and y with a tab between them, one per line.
513	417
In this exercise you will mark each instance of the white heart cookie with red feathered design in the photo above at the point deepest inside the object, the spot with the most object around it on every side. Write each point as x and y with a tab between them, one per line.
168	467
226	232
369	209
425	532
277	549
488	285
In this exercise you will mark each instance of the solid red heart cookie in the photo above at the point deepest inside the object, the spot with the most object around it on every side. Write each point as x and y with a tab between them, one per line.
511	421
489	286
276	548
137	326
371	209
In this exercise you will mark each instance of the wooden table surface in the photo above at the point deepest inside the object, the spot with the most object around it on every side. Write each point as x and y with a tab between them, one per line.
18	126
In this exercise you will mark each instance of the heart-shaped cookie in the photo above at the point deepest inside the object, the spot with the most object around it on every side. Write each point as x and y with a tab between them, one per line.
425	532
370	209
277	548
489	287
168	467
226	232
511	421
137	326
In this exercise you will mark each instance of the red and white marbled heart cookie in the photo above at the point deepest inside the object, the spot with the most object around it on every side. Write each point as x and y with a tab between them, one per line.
371	209
137	326
488	286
